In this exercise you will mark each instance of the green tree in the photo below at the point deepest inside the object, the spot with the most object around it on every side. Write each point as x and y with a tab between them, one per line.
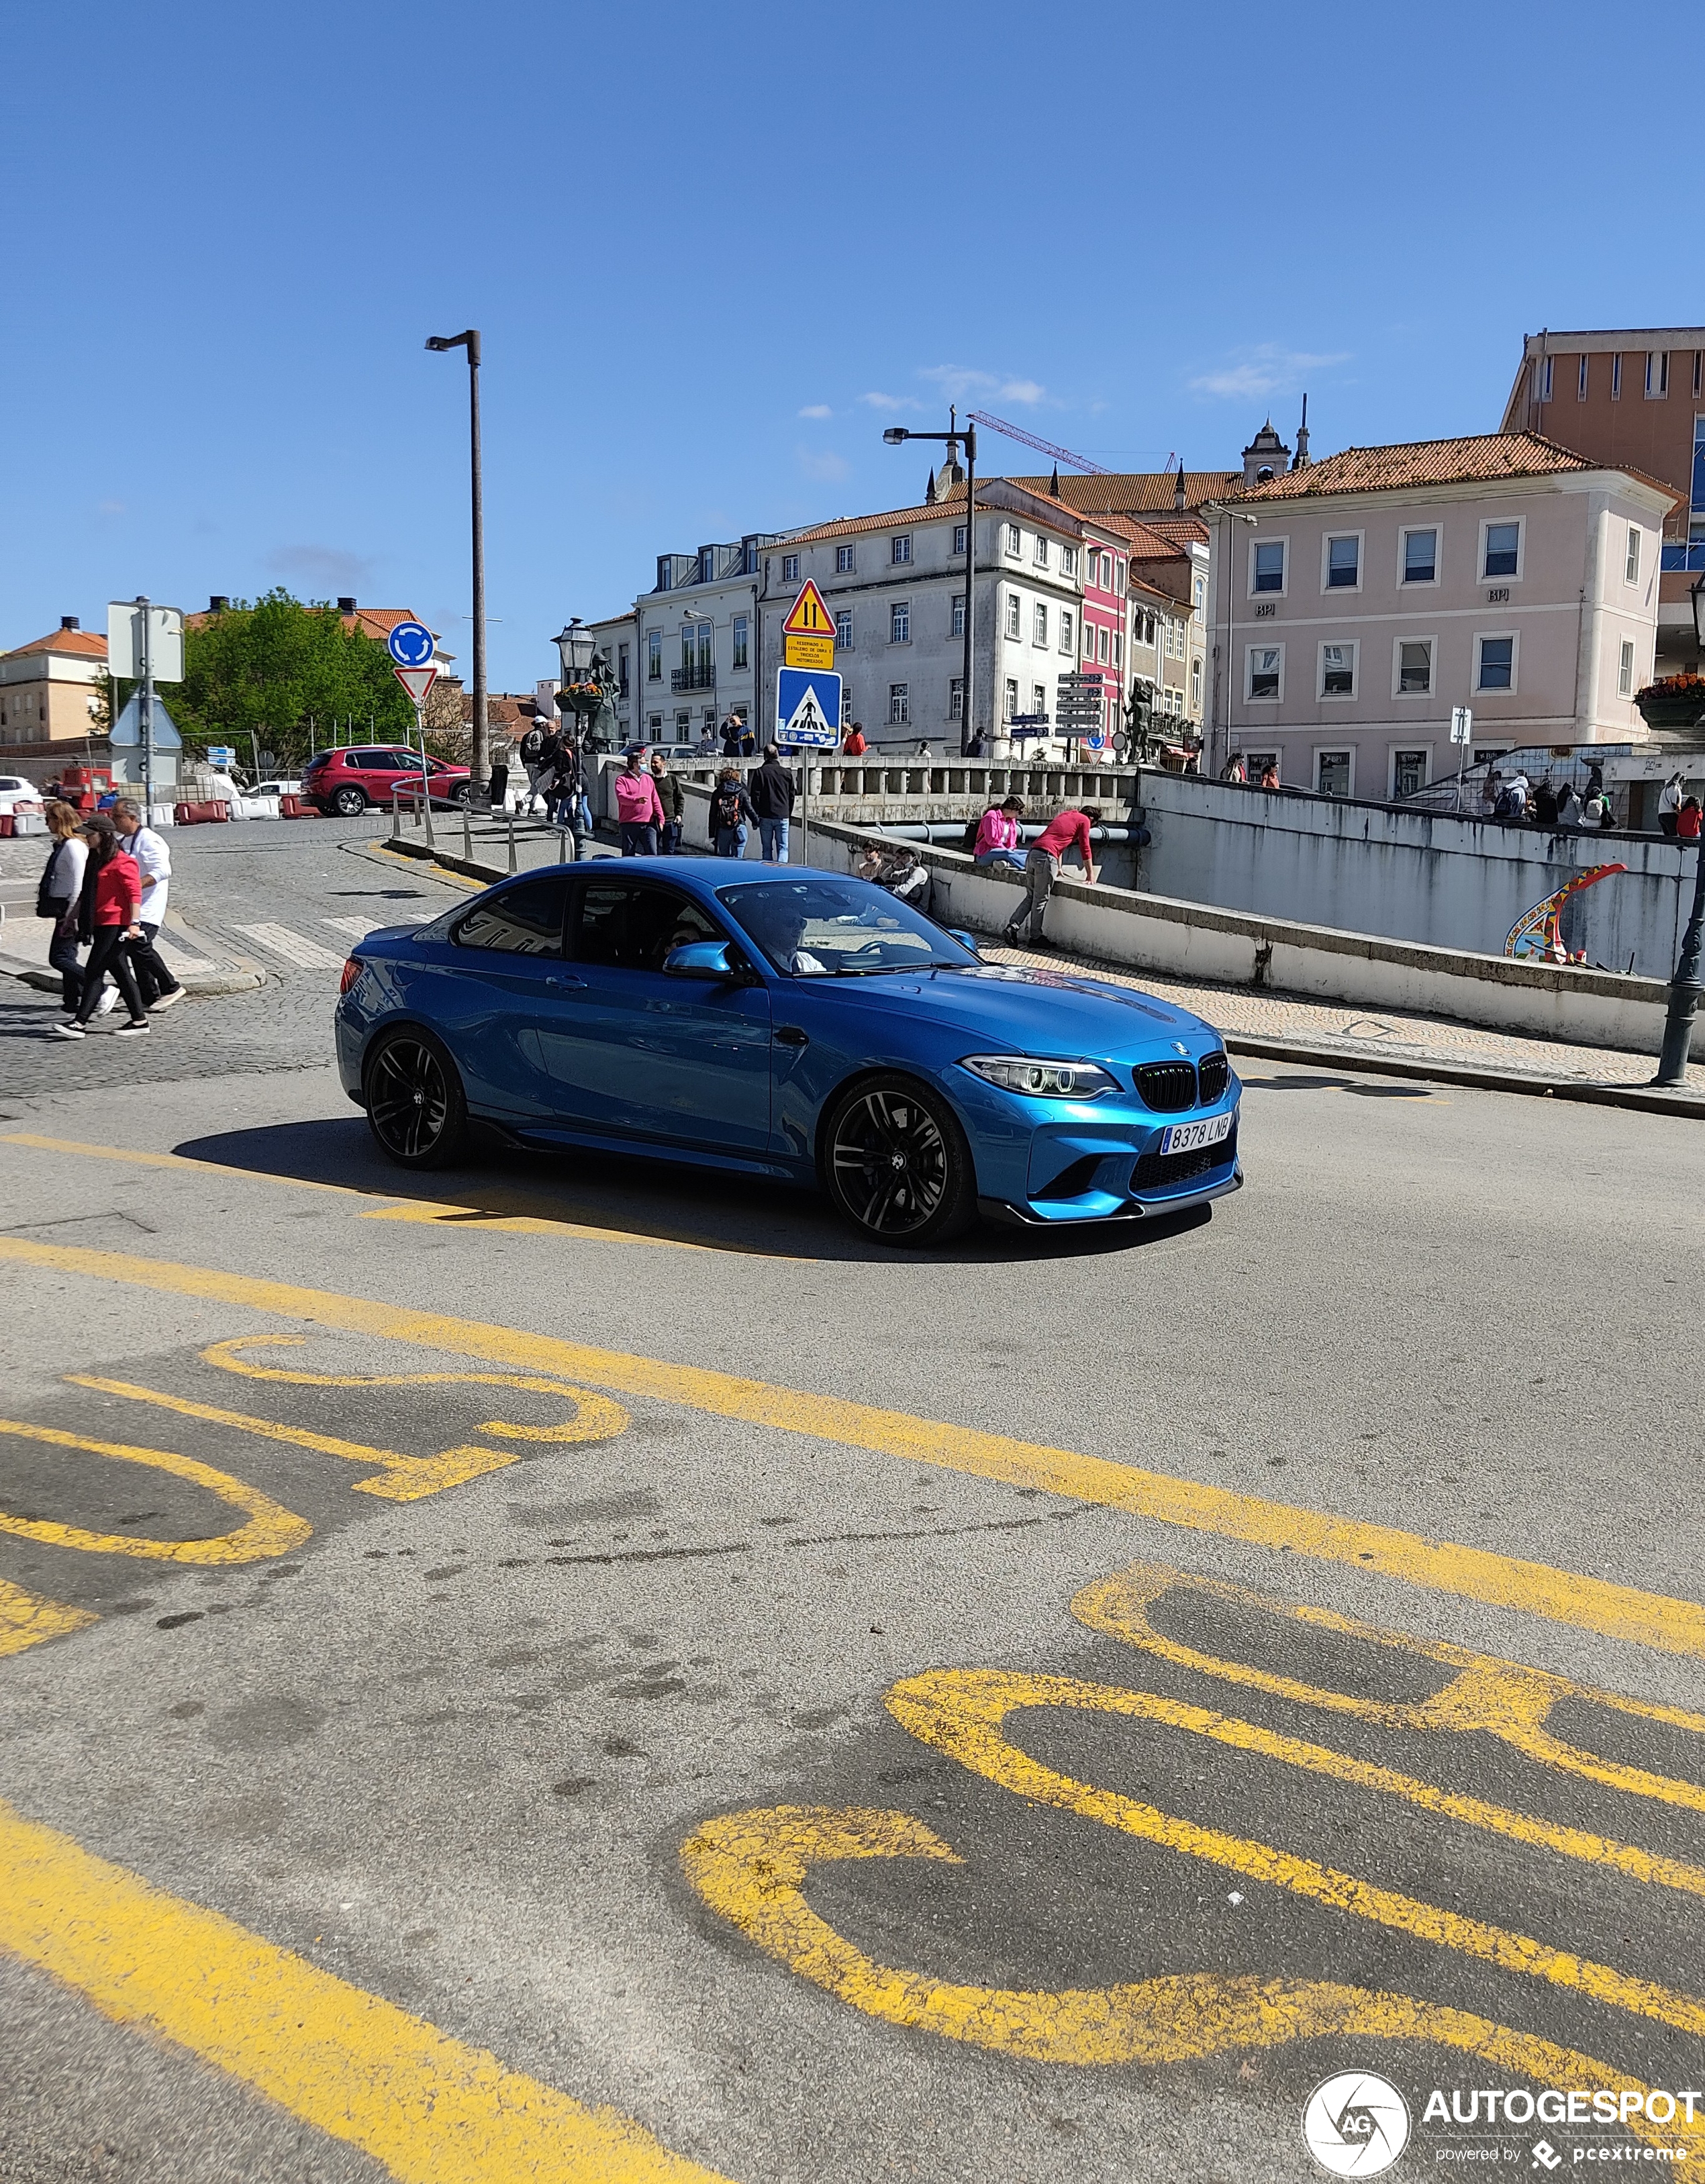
287	672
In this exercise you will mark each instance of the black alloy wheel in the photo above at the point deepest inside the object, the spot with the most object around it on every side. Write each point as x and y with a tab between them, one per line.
415	1106
896	1163
349	803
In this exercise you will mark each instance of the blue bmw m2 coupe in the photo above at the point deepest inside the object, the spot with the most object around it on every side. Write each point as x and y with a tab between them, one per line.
789	1023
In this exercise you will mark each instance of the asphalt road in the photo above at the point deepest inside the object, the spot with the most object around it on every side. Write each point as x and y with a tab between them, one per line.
777	1786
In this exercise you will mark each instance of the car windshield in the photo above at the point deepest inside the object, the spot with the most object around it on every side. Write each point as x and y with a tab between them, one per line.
827	927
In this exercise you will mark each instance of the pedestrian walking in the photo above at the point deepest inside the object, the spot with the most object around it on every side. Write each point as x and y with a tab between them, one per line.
856	746
159	987
1687	820
673	804
638	808
731	814
533	761
774	794
1269	775
1668	804
1065	831
998	833
1234	770
111	893
57	895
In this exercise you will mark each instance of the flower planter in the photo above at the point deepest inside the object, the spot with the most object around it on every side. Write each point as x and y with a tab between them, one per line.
1672	708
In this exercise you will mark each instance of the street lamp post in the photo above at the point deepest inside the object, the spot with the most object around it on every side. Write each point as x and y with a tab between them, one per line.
1683	988
468	339
896	436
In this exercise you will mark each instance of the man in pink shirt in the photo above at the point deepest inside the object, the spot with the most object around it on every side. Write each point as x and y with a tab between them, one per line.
997	838
1065	831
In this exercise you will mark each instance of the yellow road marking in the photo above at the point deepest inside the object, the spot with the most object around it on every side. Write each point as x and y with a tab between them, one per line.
398	1209
1591	1603
960	1711
271	1529
432	2109
752	1867
1488	1697
26	1619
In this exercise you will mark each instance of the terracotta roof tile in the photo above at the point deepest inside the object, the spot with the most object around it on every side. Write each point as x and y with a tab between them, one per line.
1477	459
845	527
1136	492
82	643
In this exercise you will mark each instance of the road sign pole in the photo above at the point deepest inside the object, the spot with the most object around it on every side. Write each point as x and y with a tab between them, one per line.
145	711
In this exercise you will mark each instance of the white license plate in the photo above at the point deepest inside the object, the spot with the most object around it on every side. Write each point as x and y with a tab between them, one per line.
1192	1137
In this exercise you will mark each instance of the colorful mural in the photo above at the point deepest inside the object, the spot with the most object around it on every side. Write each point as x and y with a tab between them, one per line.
1537	933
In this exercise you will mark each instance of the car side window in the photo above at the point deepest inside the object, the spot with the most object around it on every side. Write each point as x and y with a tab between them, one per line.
629	925
523	920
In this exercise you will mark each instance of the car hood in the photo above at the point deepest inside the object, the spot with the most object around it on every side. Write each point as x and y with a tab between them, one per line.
1021	1011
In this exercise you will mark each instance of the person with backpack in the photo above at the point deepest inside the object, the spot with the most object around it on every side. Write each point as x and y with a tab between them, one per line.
731	814
996	841
111	896
638	808
532	759
774	794
56	897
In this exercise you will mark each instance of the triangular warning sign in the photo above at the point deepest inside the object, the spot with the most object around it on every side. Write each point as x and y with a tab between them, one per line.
416	680
810	616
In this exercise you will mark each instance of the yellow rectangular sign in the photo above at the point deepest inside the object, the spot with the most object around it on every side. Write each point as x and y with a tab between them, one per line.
810	651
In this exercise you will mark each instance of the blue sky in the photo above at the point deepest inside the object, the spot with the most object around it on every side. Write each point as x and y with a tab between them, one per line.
714	250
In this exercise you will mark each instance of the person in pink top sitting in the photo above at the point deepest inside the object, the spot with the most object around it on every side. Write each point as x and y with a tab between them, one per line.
638	808
1067	830
997	838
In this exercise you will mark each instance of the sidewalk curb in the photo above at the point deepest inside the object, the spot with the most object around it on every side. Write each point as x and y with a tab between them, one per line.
1646	1099
198	984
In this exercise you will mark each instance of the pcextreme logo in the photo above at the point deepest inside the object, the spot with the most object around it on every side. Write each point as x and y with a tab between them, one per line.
1355	2124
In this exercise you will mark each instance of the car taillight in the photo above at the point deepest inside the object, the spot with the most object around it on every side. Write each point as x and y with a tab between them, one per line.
352	971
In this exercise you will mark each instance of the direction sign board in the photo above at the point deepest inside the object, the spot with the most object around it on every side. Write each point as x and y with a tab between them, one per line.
416	680
126	638
411	644
808	707
809	616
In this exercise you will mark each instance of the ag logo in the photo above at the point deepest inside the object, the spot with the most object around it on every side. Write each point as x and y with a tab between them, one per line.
1356	2124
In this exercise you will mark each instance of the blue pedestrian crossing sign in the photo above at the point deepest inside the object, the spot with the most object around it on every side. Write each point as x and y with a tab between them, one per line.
808	707
411	644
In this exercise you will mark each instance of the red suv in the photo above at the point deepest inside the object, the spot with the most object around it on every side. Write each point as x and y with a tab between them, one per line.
345	782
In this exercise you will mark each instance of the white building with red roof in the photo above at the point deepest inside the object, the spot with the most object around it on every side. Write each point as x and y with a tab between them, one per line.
49	688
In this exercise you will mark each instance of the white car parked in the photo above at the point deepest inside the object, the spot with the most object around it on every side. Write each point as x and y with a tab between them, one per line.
17	794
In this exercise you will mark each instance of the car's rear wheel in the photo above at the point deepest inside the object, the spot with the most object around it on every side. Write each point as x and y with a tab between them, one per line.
896	1164
416	1108
349	803
460	791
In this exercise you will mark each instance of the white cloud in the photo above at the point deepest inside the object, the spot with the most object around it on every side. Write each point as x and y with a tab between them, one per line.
891	401
830	468
1023	390
816	410
1265	369
956	380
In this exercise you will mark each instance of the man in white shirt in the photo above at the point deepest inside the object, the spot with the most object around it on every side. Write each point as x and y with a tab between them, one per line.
159	989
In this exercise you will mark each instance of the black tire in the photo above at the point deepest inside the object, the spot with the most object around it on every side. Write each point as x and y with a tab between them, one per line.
896	1165
461	792
416	1108
349	803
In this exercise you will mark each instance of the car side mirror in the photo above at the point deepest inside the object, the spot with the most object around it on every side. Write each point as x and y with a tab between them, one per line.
965	939
700	959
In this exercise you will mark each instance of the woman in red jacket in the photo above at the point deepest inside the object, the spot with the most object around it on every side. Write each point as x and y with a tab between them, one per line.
107	917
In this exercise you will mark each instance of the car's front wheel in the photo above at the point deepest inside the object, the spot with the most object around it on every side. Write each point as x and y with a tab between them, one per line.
460	791
416	1108
349	803
896	1164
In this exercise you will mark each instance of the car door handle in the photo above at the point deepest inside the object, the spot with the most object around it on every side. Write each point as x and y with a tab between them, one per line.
790	1035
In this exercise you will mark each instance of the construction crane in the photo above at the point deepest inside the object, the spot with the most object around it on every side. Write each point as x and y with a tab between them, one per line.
1047	447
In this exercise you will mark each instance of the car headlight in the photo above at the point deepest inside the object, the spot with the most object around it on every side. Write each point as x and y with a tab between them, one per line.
1042	1080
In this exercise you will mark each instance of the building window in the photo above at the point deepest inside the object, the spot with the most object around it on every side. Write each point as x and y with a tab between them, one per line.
1408	773
1010	700
1616	375
1343	563
900	550
845	560
1332	772
1420	557
1545	380
1014	538
1195	686
1040	555
1337	671
1118	648
898	705
1657	372
790	568
843	631
741	627
899	623
1066	639
1496	669
958	614
1630	566
1698	361
683	721
959	538
1039	699
1503	550
1580	379
655	722
1038	635
1068	560
1415	667
1119	574
653	655
1624	672
621	671
1088	640
1106	573
1014	611
1101	643
1199	596
955	698
1265	666
1266	565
